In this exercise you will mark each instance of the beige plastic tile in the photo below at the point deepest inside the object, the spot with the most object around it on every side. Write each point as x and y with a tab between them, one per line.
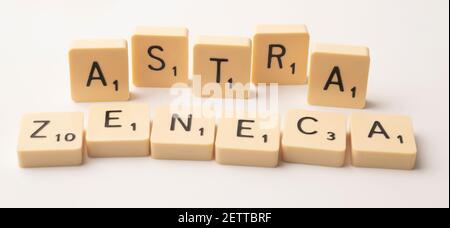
280	54
248	142
383	141
182	135
51	139
315	138
118	130
99	70
338	76
225	62
160	56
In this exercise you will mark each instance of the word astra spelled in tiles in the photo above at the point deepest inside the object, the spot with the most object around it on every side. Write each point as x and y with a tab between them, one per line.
125	130
226	67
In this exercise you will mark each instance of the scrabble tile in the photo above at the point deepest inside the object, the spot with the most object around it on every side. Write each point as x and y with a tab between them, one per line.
338	76
382	141
182	135
51	139
160	56
248	142
315	138
226	62
118	130
280	54
99	70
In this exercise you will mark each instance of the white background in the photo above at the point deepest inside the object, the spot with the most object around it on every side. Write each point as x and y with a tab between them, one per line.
409	75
